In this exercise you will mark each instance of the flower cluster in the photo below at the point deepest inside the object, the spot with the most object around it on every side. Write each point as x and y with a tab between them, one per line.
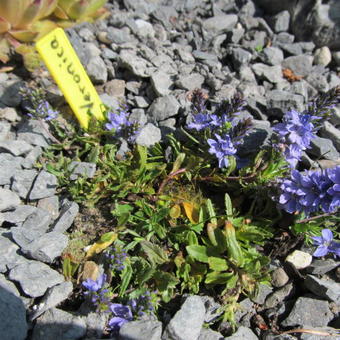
326	244
311	191
298	129
118	120
99	294
121	315
142	305
225	130
134	308
295	134
116	257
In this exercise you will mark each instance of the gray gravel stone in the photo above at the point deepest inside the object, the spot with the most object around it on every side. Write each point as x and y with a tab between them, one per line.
19	214
322	56
9	256
35	277
118	35
211	308
47	247
13	325
131	61
44	186
34	132
141	329
68	213
209	334
8	199
279	277
82	169
264	291
161	83
57	324
32	157
217	25
50	204
187	322
323	148
279	295
331	132
242	333
301	65
10	93
163	108
271	73
308	311
190	82
148	135
52	298
6	159
279	102
9	114
280	22
272	56
138	116
38	221
22	182
7	172
240	57
95	323
323	288
5	128
320	267
15	147
96	69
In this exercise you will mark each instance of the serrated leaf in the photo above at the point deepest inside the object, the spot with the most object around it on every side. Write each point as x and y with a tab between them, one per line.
155	254
105	241
199	253
217	264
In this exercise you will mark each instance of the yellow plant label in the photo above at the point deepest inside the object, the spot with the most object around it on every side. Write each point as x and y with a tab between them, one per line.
68	72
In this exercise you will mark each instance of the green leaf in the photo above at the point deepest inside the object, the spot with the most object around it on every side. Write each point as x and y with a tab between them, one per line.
178	162
165	280
192	238
155	254
228	206
125	276
214	278
211	212
221	243
199	253
217	264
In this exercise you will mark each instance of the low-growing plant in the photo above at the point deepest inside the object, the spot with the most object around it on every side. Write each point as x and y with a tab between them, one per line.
191	215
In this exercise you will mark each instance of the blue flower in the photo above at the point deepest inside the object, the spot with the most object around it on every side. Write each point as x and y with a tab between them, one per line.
295	134
117	120
122	314
326	244
311	191
44	111
222	148
116	323
94	286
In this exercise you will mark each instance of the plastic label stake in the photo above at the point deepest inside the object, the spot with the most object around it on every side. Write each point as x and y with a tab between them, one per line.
68	72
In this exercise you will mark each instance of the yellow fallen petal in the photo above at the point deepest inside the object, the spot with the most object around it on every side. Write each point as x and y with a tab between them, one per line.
105	241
